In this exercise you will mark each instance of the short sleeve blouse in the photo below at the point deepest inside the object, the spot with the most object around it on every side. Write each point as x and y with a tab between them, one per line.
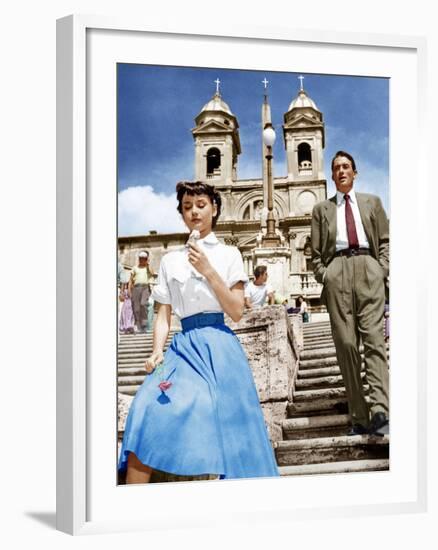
188	292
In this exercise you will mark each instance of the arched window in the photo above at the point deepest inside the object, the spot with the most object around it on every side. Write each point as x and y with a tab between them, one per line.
304	156
213	161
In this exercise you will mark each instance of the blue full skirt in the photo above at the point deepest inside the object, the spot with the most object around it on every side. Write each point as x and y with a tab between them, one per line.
209	421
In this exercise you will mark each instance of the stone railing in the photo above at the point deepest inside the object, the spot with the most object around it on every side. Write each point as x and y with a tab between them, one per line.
272	344
305	283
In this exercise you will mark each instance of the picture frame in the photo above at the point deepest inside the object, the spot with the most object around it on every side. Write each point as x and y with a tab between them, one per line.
88	499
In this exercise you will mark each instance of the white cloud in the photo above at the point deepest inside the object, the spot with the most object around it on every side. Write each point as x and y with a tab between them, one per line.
141	210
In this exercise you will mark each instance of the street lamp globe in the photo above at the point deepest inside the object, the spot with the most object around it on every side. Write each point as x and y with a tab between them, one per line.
269	136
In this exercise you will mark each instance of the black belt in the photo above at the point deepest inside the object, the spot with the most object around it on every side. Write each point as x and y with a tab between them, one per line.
353	252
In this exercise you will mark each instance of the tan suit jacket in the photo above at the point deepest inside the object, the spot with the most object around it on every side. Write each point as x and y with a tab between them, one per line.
324	224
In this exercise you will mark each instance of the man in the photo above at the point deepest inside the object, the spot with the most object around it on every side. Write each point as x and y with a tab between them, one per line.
258	291
139	290
350	255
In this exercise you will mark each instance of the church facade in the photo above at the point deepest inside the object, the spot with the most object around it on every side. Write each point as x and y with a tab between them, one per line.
244	210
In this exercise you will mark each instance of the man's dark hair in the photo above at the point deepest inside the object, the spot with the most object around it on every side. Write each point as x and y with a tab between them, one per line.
260	270
347	155
193	188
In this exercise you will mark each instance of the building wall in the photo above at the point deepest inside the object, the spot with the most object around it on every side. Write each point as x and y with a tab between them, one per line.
293	207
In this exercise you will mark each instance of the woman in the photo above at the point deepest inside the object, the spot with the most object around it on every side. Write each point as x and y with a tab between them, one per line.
198	412
303	308
126	321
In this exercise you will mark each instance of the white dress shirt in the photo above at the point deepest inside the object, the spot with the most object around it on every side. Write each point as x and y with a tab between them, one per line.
341	225
188	292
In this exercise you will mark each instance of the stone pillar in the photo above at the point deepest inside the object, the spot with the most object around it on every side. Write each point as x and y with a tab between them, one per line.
250	266
246	265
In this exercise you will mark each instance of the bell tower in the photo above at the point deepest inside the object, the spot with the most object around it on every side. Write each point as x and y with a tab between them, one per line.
217	142
303	132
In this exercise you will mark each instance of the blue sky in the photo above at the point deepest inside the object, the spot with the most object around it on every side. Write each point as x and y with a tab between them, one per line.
156	111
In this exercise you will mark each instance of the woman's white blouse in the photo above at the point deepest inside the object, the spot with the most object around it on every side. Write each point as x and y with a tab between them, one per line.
180	285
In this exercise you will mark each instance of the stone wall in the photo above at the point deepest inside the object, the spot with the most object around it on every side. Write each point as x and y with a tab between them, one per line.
272	345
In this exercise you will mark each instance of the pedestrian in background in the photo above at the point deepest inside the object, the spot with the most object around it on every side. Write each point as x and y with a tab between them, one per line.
259	290
139	290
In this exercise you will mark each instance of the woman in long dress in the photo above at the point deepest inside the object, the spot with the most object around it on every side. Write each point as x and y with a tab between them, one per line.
197	411
127	321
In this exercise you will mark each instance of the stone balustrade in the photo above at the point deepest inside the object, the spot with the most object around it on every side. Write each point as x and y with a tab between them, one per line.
272	343
304	283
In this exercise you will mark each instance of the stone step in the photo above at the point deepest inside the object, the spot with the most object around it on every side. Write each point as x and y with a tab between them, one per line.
306	427
326	393
331	361
128	390
310	326
309	338
323	371
317	337
139	345
313	336
325	333
342	467
134	353
126	366
313	329
320	382
323	362
131	361
137	353
136	337
130	381
318	344
123	360
325	351
333	405
331	449
317	353
131	371
131	350
148	337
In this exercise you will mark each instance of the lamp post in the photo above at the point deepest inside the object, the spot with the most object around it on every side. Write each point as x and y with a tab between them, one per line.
271	238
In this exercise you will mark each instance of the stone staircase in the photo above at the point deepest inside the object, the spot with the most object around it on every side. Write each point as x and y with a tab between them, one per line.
314	440
314	432
133	351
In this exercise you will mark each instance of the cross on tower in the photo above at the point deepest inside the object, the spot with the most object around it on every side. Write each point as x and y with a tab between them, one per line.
217	81
265	82
301	78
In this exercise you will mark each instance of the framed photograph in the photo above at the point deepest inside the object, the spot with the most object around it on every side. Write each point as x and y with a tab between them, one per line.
125	95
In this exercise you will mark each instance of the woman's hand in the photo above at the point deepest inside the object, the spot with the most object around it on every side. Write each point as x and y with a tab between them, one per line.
152	361
199	260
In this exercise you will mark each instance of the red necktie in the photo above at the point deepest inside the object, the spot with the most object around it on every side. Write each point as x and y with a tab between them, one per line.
353	241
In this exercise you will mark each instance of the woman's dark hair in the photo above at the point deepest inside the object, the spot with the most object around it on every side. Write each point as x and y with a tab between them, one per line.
193	188
347	155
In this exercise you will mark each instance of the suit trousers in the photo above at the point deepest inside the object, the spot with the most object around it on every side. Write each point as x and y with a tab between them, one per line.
355	297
